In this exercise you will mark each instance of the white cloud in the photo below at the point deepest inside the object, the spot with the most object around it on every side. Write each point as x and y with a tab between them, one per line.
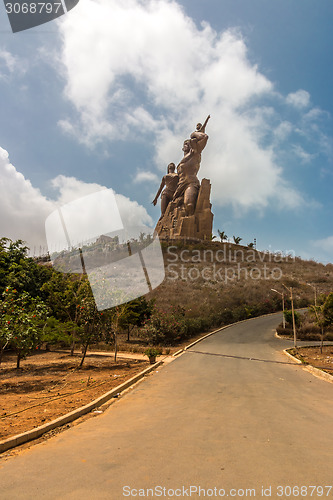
8	64
299	99
302	154
24	208
325	244
282	131
11	65
7	60
324	249
145	176
144	70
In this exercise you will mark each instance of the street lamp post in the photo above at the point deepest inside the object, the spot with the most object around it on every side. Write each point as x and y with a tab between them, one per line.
290	290
282	295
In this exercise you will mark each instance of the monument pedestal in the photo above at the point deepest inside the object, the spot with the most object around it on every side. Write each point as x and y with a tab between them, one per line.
175	224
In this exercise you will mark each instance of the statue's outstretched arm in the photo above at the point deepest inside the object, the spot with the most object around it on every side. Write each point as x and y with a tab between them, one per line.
203	128
159	191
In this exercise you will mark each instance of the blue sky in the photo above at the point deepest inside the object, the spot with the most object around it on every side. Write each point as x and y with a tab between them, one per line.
105	96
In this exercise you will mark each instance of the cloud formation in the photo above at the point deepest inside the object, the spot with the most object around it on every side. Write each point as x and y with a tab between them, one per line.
145	176
24	208
299	99
144	70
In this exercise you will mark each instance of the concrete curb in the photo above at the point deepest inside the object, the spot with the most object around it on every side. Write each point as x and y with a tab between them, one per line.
311	369
19	439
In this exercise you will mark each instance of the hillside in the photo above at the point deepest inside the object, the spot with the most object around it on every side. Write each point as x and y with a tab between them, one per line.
208	278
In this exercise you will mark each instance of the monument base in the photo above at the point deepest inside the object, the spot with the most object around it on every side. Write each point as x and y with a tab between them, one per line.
175	224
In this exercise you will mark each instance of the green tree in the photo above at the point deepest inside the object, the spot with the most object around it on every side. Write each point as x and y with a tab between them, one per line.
63	296
88	319
5	330
58	332
24	318
237	240
323	313
328	309
19	271
136	313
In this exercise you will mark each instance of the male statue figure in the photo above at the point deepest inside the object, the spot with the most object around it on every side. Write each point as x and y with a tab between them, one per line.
200	129
188	185
170	181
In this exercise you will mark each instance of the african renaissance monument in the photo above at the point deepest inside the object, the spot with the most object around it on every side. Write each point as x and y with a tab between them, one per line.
185	202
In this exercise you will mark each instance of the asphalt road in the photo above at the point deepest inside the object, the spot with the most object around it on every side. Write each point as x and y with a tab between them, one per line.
213	418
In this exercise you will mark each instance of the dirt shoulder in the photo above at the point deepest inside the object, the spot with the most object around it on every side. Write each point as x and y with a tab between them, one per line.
312	356
50	385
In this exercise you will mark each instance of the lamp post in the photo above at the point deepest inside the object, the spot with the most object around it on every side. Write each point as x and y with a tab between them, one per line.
290	290
282	295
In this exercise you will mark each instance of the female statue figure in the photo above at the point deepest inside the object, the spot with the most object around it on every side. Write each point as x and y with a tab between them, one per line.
170	181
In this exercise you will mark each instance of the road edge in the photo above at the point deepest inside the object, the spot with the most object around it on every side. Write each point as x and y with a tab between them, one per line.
311	369
33	434
30	435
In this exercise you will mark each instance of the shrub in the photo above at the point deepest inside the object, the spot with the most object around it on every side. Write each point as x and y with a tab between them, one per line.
165	327
289	318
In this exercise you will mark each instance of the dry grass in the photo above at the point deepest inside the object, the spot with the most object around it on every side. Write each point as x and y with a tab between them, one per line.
217	276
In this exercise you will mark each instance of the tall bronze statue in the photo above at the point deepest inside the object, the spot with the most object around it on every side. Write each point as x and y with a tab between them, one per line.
170	181
185	202
188	185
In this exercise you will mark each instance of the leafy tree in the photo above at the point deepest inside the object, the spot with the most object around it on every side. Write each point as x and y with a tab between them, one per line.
63	295
5	330
237	240
88	319
323	313
137	311
117	315
328	309
57	332
19	271
24	317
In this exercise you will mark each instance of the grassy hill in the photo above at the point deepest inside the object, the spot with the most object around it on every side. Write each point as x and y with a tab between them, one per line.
211	284
211	279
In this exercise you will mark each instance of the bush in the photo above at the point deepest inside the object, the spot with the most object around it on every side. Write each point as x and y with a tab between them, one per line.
289	318
284	331
165	327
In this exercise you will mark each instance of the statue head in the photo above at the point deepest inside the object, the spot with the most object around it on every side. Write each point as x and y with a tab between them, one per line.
171	168
187	146
199	126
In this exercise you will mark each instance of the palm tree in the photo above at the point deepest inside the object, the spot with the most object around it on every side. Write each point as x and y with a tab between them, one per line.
222	235
237	239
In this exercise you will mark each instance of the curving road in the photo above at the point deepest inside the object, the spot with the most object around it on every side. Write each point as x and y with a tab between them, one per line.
213	418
